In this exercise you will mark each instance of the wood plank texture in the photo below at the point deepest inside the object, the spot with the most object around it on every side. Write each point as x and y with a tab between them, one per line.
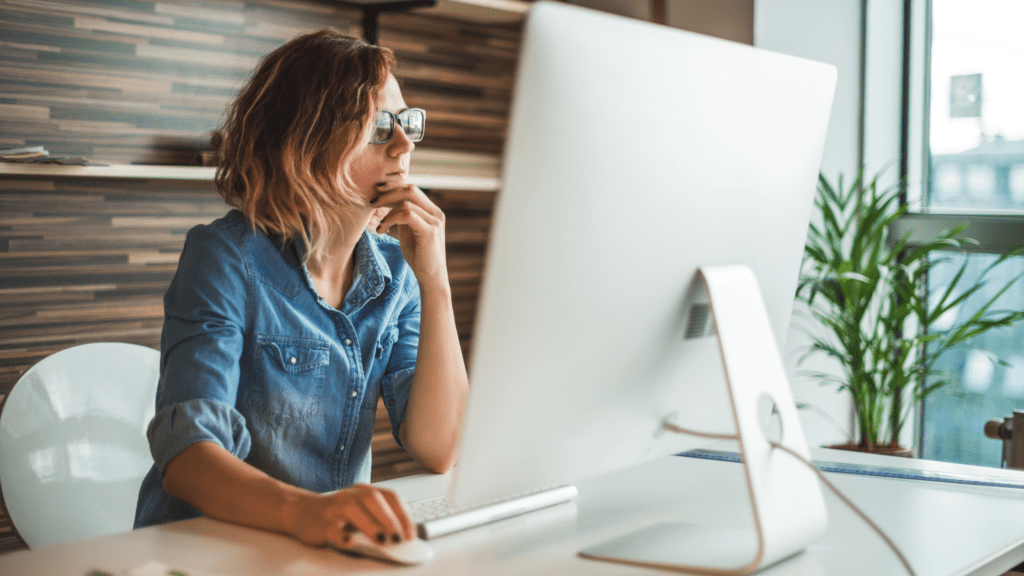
145	82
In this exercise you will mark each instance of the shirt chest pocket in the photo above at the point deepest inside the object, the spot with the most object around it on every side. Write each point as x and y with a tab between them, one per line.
288	377
386	343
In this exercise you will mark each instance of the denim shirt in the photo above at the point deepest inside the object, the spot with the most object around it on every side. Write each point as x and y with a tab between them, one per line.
254	360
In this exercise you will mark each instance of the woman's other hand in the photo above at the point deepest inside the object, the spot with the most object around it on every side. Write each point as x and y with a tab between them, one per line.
333	517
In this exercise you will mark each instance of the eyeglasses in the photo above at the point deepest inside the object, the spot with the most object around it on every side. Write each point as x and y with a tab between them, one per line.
412	122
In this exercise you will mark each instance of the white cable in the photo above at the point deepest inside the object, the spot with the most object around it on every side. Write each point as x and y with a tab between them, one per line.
673	428
678	429
846	500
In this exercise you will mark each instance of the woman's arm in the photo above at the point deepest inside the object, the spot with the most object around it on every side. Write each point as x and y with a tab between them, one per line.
221	486
440	386
433	417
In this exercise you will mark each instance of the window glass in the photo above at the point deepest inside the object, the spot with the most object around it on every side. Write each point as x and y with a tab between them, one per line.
976	108
979	388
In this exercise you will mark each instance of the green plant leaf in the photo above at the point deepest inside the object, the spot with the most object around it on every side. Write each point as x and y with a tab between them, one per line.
862	286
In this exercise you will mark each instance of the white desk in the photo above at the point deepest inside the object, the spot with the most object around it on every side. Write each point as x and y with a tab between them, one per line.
943	529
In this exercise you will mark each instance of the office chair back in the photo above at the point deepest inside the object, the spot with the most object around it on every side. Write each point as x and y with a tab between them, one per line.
73	448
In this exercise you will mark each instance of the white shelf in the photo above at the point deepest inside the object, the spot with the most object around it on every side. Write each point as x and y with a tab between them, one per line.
113	171
481	11
454	170
430	169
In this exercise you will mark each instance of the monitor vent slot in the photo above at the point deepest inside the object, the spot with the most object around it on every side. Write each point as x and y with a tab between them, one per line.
697	326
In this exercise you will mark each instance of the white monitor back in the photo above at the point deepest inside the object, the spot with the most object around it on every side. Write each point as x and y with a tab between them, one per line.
636	154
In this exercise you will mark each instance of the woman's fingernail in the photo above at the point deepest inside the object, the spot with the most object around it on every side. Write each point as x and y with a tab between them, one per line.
381	538
346	537
396	537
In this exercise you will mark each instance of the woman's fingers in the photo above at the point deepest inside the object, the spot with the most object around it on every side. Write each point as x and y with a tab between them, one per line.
377	217
373	511
420	231
394	193
385	519
409	214
339	533
408	527
363	518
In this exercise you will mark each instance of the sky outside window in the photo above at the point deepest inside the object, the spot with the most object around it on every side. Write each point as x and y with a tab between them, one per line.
983	37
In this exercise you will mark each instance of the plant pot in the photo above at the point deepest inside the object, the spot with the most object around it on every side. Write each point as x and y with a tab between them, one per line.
900	451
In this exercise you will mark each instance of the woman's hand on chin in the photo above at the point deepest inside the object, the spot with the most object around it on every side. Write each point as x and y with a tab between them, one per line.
420	230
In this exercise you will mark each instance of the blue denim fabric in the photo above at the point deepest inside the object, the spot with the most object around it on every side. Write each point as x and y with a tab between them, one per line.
254	360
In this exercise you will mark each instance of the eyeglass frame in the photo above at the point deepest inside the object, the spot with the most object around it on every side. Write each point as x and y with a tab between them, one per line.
396	122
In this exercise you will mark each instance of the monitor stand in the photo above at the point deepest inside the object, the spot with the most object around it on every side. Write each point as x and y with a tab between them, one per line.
788	508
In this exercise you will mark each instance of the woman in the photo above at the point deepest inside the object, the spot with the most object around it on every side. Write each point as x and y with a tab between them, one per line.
290	316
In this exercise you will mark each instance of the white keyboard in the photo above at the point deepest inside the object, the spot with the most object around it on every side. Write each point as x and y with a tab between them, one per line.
436	517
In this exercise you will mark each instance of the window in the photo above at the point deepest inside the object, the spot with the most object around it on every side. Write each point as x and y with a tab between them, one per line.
979	388
976	107
974	172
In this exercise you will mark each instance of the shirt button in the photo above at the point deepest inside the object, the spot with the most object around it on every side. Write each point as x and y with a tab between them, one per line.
375	281
348	341
293	360
351	300
342	446
355	393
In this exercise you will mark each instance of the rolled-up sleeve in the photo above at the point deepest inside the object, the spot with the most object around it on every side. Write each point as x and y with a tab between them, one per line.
201	349
397	381
182	424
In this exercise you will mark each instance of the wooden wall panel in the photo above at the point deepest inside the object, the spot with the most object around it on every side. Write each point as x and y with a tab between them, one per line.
88	261
128	81
85	260
145	82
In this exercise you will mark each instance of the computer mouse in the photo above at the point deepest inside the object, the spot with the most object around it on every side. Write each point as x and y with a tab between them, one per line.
409	552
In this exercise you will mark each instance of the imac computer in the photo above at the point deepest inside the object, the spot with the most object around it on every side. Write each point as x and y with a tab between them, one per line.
641	271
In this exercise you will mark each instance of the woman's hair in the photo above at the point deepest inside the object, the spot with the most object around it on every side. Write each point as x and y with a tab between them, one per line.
289	134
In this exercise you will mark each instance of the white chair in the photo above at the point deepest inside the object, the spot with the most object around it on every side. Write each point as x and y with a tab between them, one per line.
73	448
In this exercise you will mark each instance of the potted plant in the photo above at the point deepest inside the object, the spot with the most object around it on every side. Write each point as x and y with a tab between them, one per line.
866	292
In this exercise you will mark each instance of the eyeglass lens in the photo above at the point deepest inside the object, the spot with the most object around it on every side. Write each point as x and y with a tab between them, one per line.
412	122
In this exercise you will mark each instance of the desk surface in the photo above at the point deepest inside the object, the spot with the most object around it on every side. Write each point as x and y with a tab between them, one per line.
943	529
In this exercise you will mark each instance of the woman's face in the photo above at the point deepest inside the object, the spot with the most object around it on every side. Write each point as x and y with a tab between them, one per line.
373	164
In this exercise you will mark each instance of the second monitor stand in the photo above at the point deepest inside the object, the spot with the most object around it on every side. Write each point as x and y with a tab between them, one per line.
788	508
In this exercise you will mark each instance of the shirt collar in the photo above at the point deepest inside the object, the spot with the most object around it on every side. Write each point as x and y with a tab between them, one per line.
371	272
371	266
